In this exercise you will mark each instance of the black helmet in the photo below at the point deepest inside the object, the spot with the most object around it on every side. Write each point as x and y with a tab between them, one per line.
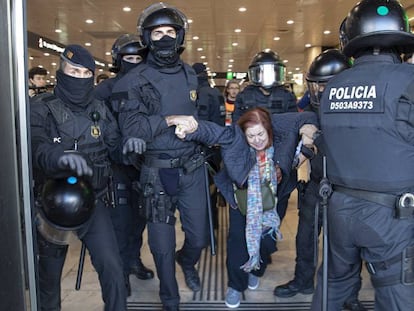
377	24
161	14
127	44
266	69
325	66
68	202
343	39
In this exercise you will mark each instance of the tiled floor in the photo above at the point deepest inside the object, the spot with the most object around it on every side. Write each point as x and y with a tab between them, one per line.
280	271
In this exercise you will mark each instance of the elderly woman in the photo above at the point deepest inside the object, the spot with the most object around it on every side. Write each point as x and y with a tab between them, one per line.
257	152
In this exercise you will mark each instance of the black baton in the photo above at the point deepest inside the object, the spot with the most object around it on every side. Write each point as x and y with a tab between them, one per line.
209	211
80	267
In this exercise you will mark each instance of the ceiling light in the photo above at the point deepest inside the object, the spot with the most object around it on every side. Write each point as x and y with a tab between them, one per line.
326	32
53	64
202	57
234	44
205	63
196	38
126	9
285	61
297	68
107	53
231	60
88	43
230	66
199	49
242	9
31	58
308	45
46	54
276	38
89	21
189	21
58	30
237	30
290	22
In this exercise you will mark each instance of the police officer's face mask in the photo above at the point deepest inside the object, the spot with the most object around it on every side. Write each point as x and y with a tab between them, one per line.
165	50
73	90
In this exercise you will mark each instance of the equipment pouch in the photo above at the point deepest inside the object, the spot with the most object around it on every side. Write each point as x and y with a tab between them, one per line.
100	175
193	163
268	198
408	266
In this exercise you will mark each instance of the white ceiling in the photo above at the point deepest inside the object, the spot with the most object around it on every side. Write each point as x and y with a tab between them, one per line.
214	22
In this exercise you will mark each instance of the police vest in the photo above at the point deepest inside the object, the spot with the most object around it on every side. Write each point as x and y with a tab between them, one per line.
79	132
363	110
151	92
280	100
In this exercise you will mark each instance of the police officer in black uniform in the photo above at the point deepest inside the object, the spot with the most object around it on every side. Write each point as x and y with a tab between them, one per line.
368	129
72	131
172	175
324	67
267	76
127	216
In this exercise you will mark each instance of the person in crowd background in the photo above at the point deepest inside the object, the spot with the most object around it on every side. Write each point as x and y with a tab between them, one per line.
101	77
37	81
231	91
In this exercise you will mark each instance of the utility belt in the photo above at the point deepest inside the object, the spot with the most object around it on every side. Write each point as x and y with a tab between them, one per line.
403	205
188	164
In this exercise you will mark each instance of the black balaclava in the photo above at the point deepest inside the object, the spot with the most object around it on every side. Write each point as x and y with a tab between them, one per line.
127	66
75	92
165	52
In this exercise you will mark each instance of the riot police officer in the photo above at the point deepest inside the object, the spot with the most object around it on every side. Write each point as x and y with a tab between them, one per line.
172	176
267	76
127	216
73	132
324	67
368	130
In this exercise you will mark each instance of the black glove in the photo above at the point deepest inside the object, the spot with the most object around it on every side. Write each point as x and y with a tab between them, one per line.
134	144
76	163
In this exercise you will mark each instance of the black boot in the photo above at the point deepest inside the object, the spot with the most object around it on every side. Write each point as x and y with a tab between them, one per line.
354	305
190	275
292	288
141	272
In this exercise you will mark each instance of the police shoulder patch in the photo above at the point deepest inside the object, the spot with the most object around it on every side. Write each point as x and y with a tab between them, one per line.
193	95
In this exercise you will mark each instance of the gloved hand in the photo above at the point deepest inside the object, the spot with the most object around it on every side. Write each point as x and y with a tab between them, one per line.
134	144
76	163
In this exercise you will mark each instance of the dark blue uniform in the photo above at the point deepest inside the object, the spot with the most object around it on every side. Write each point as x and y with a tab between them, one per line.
367	121
278	100
56	128
152	93
127	215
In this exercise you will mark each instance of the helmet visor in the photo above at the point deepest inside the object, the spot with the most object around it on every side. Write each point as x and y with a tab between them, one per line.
267	75
315	92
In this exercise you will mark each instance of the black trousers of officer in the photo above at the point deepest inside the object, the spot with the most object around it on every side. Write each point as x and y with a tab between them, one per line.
237	253
284	192
362	229
191	202
305	238
126	217
101	243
